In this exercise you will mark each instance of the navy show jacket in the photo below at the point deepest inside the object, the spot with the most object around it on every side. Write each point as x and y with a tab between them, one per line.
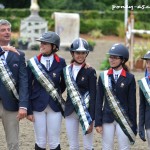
86	81
144	112
39	98
125	91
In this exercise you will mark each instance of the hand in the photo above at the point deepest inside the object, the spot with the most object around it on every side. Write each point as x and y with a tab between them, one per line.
22	113
31	118
142	135
90	128
10	48
99	129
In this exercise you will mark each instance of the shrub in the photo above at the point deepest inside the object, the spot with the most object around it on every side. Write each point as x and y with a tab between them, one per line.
96	33
105	64
90	14
34	47
88	25
140	50
108	22
109	27
121	30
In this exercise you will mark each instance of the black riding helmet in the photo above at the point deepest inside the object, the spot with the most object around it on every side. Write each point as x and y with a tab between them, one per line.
146	56
79	45
50	37
119	50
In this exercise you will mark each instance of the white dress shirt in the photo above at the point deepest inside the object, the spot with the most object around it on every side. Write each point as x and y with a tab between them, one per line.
75	70
43	59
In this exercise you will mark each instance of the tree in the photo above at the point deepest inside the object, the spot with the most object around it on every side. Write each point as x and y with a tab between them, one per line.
72	4
16	3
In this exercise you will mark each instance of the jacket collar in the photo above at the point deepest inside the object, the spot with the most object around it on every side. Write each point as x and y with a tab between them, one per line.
55	57
83	65
123	73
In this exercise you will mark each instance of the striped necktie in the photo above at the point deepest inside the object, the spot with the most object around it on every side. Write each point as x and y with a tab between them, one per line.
116	77
48	64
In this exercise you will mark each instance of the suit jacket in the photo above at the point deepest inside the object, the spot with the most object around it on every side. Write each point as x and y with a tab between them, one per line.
39	98
86	81
17	66
144	112
125	91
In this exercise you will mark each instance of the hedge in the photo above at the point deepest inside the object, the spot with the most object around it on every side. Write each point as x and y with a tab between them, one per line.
107	21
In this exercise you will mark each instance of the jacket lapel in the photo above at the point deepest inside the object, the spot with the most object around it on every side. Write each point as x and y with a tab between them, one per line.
53	65
112	78
9	57
120	79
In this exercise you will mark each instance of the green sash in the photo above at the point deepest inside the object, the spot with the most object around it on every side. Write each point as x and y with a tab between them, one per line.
145	89
45	80
118	111
81	103
7	79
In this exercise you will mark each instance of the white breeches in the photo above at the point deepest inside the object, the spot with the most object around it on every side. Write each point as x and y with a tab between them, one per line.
109	131
47	127
72	127
148	137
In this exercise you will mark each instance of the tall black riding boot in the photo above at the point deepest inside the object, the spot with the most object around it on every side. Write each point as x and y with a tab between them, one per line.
38	148
57	148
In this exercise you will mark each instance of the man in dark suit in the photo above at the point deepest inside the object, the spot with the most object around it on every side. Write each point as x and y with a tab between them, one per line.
13	88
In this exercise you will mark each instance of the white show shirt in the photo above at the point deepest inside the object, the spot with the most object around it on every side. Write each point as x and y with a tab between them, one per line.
117	72
43	59
75	70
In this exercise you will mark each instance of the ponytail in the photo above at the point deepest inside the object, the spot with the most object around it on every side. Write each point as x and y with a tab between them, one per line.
125	67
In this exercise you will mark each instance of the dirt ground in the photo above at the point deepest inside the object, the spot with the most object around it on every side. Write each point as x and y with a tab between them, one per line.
94	59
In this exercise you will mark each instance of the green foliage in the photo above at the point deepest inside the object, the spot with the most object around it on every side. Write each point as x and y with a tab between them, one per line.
142	16
14	42
90	14
121	30
117	15
51	24
142	25
109	27
140	50
145	36
16	3
34	47
96	34
53	4
69	4
91	44
15	22
73	4
105	64
108	22
87	25
47	12
100	6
